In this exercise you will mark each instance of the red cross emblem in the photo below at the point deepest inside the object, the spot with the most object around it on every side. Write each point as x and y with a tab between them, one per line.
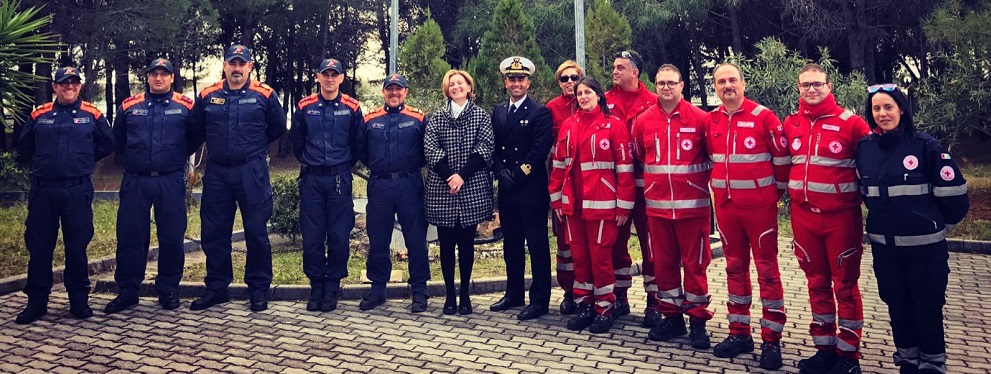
750	142
604	144
835	146
947	173
910	162
686	145
796	144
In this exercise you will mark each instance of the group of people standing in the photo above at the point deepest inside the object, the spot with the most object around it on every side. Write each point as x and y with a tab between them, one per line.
601	161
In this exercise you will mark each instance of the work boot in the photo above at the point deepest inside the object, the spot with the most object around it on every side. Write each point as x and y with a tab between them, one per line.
734	345
568	305
316	296
80	309
845	365
651	317
209	299
668	328
770	355
36	308
622	306
698	336
419	303
582	318
330	296
819	363
371	301
120	303
601	324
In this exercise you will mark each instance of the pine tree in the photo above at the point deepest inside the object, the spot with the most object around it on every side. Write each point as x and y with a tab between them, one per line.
606	33
421	59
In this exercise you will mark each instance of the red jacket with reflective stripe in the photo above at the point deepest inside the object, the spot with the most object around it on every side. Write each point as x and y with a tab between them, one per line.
823	173
600	146
676	166
750	162
627	105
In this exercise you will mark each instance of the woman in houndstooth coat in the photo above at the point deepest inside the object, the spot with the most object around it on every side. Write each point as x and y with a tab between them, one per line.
458	146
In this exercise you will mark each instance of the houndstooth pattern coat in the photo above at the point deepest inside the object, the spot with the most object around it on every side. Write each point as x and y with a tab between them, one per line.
457	139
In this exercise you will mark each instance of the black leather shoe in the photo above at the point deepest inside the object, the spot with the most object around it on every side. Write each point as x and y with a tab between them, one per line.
505	303
621	307
770	355
451	306
120	303
80	310
259	302
601	324
32	312
209	299
169	300
465	308
330	297
371	301
668	328
532	311
582	318
419	304
568	305
697	335
651	317
734	345
819	363
316	297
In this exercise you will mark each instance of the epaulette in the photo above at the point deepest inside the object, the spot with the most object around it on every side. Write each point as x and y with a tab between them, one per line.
846	115
307	101
182	100
131	101
211	89
350	102
375	113
413	112
261	88
44	108
91	109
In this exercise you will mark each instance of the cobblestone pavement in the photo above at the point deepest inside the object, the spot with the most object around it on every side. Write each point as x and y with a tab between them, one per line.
288	339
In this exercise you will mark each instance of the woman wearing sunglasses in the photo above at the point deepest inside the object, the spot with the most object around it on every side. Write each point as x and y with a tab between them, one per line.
591	187
561	108
914	194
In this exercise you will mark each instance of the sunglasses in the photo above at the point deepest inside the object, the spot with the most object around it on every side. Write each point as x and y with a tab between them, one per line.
69	83
633	60
887	87
572	77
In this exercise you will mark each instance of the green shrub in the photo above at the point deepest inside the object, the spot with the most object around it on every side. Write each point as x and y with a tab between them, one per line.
12	177
285	213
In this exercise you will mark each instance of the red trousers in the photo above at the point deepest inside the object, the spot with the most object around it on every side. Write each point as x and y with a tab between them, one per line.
829	250
621	251
565	268
681	243
591	251
746	231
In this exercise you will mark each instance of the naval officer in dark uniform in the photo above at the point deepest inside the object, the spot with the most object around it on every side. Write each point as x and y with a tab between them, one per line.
522	141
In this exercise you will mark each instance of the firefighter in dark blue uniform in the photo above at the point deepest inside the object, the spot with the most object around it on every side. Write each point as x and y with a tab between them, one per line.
62	141
391	145
239	117
323	133
150	134
915	195
522	141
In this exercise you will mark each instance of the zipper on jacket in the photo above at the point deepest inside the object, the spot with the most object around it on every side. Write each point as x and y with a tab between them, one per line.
609	186
935	226
697	187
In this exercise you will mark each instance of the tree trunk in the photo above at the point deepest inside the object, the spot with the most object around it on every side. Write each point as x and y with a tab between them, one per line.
857	37
735	29
108	92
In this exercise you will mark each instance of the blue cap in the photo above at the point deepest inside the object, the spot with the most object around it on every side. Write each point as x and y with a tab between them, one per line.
65	73
397	79
331	64
159	63
238	51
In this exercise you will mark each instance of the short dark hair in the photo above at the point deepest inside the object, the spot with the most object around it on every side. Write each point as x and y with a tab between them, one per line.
813	67
668	67
633	57
595	86
735	66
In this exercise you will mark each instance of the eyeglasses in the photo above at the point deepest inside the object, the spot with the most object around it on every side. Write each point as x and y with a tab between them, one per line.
887	87
572	77
665	84
816	85
69	83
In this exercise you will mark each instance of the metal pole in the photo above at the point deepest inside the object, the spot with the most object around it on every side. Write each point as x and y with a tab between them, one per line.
580	32
393	36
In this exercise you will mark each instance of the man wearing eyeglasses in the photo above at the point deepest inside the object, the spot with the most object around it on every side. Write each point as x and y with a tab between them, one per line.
627	99
238	117
151	132
522	129
749	175
669	140
826	219
62	141
324	135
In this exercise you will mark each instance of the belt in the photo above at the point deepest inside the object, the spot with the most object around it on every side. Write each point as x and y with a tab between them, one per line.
324	171
394	176
60	182
153	173
237	162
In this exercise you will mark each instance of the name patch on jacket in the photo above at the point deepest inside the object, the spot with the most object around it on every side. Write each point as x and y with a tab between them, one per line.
248	101
139	112
217	100
376	125
312	112
342	112
81	120
170	112
687	129
46	121
748	124
406	124
831	127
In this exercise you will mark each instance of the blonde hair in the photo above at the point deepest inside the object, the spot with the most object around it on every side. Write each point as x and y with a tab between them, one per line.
464	74
569	64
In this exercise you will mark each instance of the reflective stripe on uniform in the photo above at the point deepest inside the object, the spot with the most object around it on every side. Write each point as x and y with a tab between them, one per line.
676	292
739	318
598	165
599	291
678	169
566	267
742	300
677	204
556	196
902	190
743	184
564	254
910	240
844	346
774	326
584	286
824	340
624	283
768	303
950	191
697	299
851	324
783	160
624	168
823	318
599	204
742	159
623	204
559	164
623	271
824	187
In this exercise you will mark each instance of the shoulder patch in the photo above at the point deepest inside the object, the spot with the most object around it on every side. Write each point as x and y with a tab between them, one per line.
375	113
350	102
44	108
261	88
307	101
91	109
182	100
212	88
413	112
846	115
131	101
758	109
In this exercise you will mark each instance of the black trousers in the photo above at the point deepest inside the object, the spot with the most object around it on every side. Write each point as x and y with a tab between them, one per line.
526	225
464	239
912	281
